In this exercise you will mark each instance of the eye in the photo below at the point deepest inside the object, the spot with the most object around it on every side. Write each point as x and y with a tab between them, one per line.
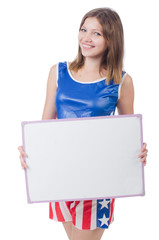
97	34
83	30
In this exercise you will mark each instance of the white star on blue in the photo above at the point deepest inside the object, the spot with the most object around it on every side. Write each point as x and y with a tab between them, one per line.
103	213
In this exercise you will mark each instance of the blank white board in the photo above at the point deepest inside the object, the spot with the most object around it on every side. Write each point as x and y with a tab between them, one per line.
83	158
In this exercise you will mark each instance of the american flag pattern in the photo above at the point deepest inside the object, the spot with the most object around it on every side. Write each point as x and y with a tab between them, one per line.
85	214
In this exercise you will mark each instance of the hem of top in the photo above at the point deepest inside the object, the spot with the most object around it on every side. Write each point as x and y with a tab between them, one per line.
70	74
119	89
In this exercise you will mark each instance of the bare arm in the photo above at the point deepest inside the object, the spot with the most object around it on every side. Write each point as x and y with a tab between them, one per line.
49	111
125	103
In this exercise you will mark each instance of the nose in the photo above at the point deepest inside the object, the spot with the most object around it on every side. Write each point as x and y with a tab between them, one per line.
87	37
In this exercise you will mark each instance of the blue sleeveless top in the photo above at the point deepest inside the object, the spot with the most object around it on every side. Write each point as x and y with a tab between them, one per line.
75	99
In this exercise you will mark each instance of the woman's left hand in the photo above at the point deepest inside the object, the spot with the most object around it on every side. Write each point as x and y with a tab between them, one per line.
143	154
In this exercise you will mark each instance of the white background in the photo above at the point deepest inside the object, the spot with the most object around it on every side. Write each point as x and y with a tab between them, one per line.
36	34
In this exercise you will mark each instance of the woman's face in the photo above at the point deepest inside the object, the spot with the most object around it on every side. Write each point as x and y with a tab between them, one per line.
91	39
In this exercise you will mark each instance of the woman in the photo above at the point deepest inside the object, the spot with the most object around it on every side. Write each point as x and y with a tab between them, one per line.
92	85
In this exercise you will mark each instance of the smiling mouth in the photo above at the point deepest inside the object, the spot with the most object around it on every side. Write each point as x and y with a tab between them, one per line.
87	46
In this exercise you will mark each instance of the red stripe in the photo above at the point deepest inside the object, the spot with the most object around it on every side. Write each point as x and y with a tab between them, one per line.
87	209
74	212
50	211
111	210
58	212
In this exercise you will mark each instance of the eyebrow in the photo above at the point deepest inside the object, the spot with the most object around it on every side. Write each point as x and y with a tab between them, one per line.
93	28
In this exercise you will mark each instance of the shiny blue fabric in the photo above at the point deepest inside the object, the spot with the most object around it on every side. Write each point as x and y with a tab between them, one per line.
75	99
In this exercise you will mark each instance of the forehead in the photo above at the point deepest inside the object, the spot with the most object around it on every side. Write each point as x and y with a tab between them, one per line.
92	23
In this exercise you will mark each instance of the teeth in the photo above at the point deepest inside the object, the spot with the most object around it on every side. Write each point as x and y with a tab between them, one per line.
87	46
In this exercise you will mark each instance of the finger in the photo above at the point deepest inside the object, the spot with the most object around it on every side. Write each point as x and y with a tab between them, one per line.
24	154
22	158
24	166
144	162
143	154
23	163
143	159
144	146
20	148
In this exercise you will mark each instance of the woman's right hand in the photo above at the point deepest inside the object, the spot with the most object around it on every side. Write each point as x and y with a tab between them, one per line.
22	154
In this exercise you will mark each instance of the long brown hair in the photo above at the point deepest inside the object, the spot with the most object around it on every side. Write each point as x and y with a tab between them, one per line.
113	32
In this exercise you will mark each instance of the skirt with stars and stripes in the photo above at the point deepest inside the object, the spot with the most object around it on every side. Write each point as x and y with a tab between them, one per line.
85	214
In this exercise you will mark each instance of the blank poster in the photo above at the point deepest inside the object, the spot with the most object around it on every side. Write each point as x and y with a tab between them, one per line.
83	158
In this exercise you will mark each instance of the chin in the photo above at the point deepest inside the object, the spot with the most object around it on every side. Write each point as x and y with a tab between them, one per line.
87	54
90	55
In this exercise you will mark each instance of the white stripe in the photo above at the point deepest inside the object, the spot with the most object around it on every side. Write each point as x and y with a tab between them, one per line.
94	215
54	211
112	212
119	88
72	205
79	215
65	212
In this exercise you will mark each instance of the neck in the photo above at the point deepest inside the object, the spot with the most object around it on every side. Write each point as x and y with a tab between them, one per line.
91	64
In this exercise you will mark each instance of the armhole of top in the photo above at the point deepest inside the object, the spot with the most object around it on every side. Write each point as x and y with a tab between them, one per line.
57	74
120	85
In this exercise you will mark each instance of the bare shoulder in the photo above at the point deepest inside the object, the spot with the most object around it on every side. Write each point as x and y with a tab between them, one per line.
52	79
53	70
127	81
127	86
49	111
126	96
